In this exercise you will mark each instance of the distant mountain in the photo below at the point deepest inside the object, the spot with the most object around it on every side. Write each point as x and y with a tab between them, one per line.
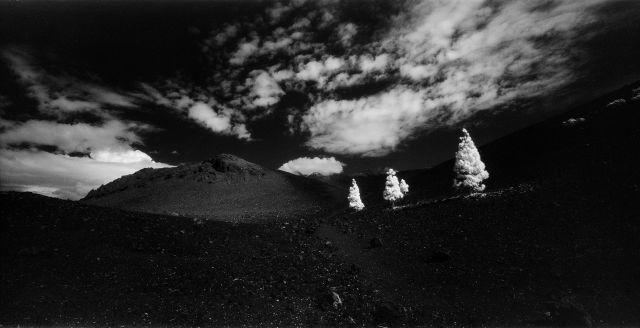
224	187
601	135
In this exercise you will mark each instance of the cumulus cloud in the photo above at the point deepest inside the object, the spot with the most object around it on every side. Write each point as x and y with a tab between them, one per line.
63	176
78	137
230	31
436	63
25	166
370	126
369	64
319	71
307	165
245	50
120	156
62	95
346	32
205	115
451	60
202	108
219	122
58	174
265	90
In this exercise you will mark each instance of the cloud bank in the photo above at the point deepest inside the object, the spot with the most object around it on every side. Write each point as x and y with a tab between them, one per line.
307	165
64	176
433	64
56	154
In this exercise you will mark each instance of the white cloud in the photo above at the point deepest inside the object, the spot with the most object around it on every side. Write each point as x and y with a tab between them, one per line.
418	72
474	44
277	11
274	46
369	64
202	108
370	126
79	137
265	90
460	57
319	70
104	95
120	156
59	175
245	50
67	105
308	165
230	31
346	33
439	62
205	115
282	75
70	95
218	122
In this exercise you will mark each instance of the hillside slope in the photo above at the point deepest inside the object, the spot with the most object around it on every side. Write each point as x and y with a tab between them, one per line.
553	242
594	143
225	187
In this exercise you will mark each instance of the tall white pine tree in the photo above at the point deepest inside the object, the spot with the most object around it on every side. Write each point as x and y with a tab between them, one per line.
354	196
404	187
469	169
392	190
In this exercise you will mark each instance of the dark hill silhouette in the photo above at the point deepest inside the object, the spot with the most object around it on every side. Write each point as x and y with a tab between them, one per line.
599	148
224	187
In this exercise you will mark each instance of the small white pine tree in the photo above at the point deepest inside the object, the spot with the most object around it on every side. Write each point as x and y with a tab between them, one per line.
392	190
469	169
404	187
354	196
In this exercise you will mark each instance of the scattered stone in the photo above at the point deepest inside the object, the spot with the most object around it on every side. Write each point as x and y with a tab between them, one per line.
328	299
337	301
574	121
616	103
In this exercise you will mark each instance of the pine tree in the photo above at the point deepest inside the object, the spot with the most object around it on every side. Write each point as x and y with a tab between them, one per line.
392	190
404	187
354	196
469	169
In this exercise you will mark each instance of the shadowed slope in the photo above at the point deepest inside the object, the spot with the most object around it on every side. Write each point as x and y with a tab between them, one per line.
225	187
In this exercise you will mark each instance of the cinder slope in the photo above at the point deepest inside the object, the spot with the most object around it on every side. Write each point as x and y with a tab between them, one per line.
225	187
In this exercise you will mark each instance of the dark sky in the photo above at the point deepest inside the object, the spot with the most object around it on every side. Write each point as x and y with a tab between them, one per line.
92	90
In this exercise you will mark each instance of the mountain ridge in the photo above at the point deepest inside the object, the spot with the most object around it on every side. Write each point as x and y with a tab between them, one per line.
223	187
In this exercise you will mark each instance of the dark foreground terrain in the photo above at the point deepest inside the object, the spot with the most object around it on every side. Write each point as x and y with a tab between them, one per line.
554	241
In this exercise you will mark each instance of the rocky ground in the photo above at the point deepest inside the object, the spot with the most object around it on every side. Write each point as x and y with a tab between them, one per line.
553	242
517	258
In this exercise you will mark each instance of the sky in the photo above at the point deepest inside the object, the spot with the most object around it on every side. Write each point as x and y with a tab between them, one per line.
93	90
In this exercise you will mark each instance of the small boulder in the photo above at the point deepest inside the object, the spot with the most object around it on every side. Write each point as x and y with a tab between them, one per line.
329	299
